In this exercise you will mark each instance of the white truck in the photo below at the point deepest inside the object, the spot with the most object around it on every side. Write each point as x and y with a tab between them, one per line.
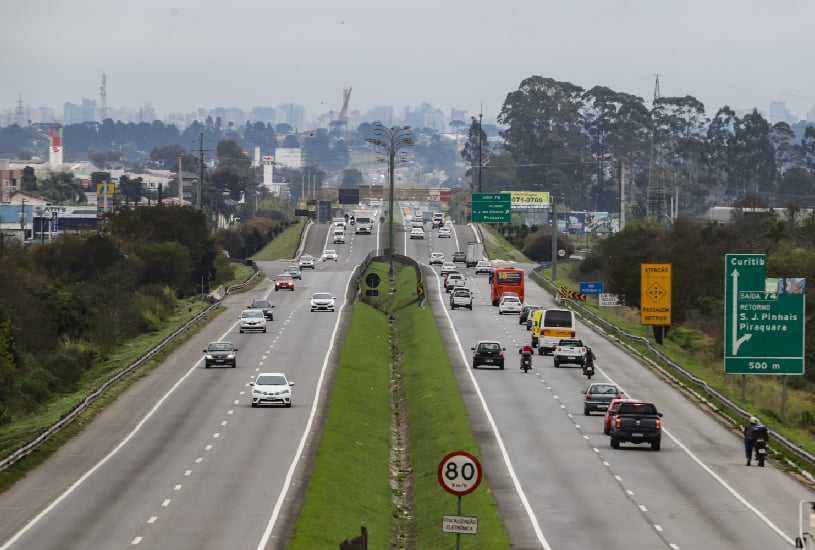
570	350
364	224
474	254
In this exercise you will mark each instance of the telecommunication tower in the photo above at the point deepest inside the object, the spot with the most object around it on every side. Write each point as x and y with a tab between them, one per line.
103	94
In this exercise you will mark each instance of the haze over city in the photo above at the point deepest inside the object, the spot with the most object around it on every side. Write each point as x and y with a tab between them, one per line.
185	54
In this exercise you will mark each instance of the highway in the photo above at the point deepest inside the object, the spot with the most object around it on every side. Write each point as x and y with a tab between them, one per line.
181	460
560	485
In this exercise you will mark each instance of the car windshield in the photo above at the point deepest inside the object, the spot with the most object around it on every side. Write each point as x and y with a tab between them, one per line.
306	258
603	388
219	346
271	380
329	252
465	293
322	296
261	303
252	313
285	277
294	269
489	346
511	299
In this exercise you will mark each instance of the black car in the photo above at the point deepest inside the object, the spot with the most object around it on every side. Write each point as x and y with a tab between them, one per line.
265	305
459	257
221	353
488	352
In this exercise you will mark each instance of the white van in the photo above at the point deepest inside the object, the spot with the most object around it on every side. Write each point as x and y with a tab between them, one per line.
339	236
549	326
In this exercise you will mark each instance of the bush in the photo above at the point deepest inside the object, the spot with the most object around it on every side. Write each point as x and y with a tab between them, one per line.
39	384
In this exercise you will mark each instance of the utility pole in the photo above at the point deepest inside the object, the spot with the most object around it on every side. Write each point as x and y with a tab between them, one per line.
554	237
480	149
180	181
200	169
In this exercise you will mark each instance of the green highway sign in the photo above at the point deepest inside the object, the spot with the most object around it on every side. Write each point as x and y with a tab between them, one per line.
764	329
492	207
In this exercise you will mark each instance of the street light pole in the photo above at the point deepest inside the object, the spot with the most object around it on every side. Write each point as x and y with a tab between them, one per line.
391	140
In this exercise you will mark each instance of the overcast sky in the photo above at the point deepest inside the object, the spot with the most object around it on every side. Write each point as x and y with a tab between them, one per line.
179	55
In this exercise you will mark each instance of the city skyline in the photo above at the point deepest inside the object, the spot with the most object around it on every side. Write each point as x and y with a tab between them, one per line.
186	55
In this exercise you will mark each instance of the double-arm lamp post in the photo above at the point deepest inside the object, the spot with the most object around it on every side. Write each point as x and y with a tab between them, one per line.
391	140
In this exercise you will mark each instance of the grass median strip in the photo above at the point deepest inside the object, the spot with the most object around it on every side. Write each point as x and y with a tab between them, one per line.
353	479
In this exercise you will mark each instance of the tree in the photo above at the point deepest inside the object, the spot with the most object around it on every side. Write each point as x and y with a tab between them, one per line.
546	136
753	159
351	177
476	154
62	188
28	180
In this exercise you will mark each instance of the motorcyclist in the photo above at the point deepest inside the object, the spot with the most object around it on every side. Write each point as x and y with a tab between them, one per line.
750	438
526	354
588	360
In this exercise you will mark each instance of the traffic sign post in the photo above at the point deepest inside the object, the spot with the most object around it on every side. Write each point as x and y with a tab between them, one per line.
492	207
764	329
460	474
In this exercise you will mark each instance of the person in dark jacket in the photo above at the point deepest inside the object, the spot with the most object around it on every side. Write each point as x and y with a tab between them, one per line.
749	438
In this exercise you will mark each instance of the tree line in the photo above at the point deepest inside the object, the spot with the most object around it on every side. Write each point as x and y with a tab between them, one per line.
65	305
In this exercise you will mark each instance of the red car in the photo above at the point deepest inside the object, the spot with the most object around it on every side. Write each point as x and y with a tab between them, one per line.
611	411
284	281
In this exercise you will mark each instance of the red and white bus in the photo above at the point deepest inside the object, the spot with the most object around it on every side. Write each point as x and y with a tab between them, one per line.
507	279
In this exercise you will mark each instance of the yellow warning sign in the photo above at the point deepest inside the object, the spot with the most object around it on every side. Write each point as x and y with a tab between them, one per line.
655	298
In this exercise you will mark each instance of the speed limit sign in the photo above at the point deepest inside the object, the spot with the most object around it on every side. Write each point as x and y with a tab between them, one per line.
459	473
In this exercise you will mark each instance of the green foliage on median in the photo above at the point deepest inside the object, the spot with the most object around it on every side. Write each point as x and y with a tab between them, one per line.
352	484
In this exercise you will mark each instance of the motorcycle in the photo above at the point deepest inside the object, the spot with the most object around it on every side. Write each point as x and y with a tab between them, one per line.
526	360
760	445
588	367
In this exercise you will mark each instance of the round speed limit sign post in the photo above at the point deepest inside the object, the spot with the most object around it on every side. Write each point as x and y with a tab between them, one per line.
459	473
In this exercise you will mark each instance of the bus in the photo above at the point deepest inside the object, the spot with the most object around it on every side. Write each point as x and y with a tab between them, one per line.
549	326
507	279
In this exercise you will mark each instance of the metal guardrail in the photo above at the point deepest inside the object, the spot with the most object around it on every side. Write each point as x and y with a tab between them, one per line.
788	445
82	406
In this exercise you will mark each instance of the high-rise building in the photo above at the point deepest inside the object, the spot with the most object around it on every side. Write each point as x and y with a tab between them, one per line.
778	111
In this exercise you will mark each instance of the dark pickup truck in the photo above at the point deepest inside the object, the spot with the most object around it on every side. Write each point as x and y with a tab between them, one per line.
637	423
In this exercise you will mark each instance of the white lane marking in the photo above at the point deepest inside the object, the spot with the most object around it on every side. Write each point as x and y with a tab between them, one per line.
166	502
267	533
208	447
642	508
137	540
152	519
658	527
188	473
498	439
57	501
216	435
715	476
231	411
224	422
177	488
199	460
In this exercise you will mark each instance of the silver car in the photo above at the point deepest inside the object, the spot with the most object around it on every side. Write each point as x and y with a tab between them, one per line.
252	319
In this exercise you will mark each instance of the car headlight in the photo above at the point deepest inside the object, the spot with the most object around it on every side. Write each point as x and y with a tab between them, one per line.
209	356
230	356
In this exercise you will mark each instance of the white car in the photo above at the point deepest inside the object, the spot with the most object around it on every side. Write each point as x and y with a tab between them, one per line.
306	262
509	304
453	280
329	254
252	319
417	233
445	232
448	267
437	258
271	388
322	301
483	266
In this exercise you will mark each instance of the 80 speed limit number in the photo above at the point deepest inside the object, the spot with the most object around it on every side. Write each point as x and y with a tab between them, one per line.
459	473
